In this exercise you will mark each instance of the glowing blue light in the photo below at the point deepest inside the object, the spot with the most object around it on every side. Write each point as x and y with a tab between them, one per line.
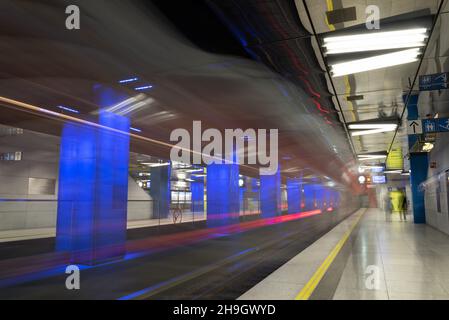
143	88
68	109
135	129
128	80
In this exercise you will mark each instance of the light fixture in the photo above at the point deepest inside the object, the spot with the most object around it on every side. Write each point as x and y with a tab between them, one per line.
393	171
372	126
376	62
376	157
371	167
194	170
135	129
68	109
427	147
181	175
372	131
128	80
364	128
119	106
371	41
156	164
143	88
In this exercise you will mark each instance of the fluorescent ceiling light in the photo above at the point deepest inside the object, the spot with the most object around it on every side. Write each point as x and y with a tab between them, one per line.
371	131
372	126
143	88
68	109
128	80
376	41
371	157
154	165
372	167
194	170
135	129
393	171
125	103
376	62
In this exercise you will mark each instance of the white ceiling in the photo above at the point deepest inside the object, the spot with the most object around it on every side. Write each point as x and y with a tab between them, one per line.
383	88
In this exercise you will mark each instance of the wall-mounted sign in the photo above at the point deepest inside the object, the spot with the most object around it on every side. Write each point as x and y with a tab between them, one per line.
433	125
379	179
436	81
11	156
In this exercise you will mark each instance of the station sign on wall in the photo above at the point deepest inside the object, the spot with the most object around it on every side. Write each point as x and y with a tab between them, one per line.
436	81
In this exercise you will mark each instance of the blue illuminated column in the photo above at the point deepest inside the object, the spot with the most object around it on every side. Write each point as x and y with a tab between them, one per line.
326	197
270	195
418	165
197	190
223	196
93	188
319	196
309	196
160	191
294	192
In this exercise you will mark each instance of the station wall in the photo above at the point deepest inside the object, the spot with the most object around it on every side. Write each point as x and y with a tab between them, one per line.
29	187
436	187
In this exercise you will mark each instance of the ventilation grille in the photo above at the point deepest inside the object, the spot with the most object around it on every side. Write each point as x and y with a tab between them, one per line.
341	15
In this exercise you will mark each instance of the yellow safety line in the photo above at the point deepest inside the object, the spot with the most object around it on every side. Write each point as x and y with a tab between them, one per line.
308	289
330	7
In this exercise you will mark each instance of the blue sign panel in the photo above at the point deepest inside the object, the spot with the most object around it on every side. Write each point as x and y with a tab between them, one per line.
429	125
443	124
435	125
434	81
379	179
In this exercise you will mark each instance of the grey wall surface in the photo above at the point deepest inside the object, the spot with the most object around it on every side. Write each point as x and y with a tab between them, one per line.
437	177
21	205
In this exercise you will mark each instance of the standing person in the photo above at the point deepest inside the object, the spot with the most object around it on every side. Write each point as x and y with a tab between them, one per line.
403	208
387	208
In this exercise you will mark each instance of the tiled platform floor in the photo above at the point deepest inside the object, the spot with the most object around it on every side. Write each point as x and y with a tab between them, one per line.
412	261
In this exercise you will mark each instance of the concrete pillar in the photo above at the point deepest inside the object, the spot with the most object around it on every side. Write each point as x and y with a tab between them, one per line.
160	191
270	195
418	165
93	190
197	190
418	174
309	197
294	195
223	196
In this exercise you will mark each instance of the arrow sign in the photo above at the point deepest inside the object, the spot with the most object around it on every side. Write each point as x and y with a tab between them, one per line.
433	125
414	127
